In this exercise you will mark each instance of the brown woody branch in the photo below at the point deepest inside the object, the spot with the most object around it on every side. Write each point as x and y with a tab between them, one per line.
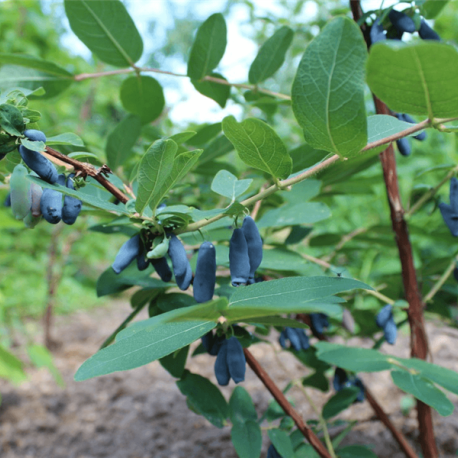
418	336
285	405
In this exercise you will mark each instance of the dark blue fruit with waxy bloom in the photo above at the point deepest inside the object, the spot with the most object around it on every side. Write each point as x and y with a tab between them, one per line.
180	264
272	452
377	32
384	315
454	195
404	146
427	33
390	331
221	368
254	244
7	202
126	254
239	261
142	261
450	218
407	118
319	321
297	337
341	381
340	378
42	166
236	361
212	343
51	203
162	268
205	278
35	135
401	21
72	205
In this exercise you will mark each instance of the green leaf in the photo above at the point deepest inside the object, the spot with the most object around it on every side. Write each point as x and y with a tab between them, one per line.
258	146
142	96
339	402
328	91
41	357
182	164
355	451
247	439
208	47
423	390
142	347
28	72
86	198
204	398
107	29
290	215
205	134
182	137
351	358
409	78
281	442
68	138
317	380
215	91
432	8
227	185
34	146
11	368
175	362
155	168
271	55
11	120
284	260
277	321
446	378
84	154
241	407
218	147
121	140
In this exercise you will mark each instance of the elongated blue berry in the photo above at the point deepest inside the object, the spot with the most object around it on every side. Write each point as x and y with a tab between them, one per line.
254	244
401	21
454	195
407	118
180	263
377	32
293	338
35	135
205	278
21	198
72	205
404	146
272	452
7	202
384	315
450	218
221	368
390	331
319	321
42	166
51	203
162	268
340	378
126	254
359	384
239	261
236	361
427	33
142	261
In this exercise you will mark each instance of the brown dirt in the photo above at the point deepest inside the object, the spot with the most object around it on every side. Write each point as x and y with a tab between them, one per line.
142	414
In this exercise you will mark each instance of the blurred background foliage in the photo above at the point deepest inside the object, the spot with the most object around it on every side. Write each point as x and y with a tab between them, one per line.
354	192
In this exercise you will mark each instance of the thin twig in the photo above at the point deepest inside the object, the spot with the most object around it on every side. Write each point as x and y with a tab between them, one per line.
345	239
285	405
438	285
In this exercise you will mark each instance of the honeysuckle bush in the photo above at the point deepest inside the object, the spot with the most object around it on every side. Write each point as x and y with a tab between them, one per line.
305	164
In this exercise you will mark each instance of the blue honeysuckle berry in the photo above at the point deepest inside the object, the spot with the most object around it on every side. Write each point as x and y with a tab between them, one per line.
359	384
51	203
239	261
236	361
205	278
7	202
404	147
72	205
450	218
35	135
341	381
180	263
272	452
126	254
340	378
384	315
42	166
427	33
254	244
377	32
454	195
390	331
319	321
297	337
221	367
162	268
401	21
407	118
142	260
212	342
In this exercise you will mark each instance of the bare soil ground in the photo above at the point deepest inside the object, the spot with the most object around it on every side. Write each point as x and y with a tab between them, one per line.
142	414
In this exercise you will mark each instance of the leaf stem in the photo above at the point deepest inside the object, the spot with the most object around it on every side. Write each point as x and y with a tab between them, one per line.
441	280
